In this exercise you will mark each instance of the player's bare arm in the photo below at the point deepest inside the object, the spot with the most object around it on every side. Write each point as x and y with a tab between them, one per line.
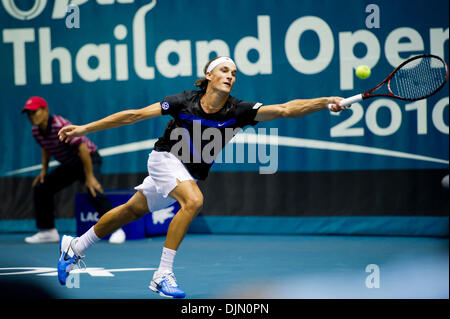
298	108
115	120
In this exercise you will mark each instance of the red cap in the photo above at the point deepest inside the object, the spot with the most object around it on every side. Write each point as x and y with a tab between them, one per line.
34	103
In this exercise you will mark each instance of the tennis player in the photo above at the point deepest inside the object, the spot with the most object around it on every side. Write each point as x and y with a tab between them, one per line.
172	177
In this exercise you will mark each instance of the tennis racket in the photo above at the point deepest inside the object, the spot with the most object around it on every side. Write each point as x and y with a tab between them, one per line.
415	79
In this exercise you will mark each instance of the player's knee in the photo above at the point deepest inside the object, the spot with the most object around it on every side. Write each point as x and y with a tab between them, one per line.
194	204
133	212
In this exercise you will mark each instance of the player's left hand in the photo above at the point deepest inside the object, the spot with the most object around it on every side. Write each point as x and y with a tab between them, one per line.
93	185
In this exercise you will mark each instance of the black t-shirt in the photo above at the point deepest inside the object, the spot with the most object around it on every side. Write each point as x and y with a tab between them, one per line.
196	137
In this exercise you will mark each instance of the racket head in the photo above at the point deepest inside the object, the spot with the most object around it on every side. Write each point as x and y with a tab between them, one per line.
417	78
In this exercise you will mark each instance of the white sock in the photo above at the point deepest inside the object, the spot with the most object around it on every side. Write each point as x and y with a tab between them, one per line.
86	240
167	257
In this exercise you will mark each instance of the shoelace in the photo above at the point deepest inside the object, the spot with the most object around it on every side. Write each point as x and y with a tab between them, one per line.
80	262
79	257
170	277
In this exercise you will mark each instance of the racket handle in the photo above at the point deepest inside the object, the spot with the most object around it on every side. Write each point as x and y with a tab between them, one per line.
349	100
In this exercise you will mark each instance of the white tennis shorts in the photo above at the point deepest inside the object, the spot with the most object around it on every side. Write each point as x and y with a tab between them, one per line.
164	169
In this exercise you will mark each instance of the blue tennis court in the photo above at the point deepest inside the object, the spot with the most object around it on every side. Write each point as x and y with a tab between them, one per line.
211	266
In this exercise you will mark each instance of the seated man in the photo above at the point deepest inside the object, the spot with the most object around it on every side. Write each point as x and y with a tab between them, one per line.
79	160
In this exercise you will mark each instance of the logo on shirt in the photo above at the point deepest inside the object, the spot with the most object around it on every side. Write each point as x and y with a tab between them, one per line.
257	106
165	106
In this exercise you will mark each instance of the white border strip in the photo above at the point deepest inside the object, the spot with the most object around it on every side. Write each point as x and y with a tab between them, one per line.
246	138
333	146
113	150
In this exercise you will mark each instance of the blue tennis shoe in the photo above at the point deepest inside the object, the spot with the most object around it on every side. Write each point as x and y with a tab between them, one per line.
165	284
68	258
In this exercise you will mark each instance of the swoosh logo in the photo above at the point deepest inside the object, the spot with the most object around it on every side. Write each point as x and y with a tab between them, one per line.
157	285
65	257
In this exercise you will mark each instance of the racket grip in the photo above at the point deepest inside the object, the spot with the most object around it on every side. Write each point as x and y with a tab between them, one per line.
349	100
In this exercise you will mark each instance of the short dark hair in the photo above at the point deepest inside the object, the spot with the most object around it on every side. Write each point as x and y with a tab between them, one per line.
202	83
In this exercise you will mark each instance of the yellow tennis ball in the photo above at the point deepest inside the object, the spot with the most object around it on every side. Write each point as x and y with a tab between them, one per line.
363	71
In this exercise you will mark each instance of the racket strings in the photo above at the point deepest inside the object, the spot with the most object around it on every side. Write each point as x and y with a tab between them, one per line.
419	78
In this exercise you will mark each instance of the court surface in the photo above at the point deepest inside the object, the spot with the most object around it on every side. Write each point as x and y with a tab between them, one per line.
239	266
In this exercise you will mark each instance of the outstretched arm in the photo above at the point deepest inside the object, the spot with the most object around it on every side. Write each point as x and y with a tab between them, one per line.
111	121
298	108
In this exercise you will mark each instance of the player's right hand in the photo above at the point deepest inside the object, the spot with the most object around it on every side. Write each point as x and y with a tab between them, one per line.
334	104
69	132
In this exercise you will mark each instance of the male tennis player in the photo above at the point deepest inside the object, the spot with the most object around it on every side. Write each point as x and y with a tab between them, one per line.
172	177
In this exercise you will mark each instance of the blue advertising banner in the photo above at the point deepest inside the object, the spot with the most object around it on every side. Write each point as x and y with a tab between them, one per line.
94	58
152	224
